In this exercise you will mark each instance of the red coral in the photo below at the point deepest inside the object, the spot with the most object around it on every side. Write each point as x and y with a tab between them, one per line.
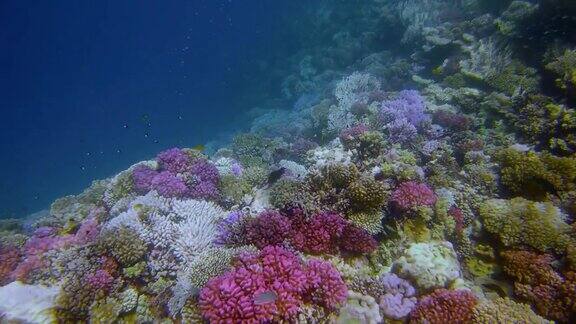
320	234
552	294
277	274
412	194
444	306
458	216
357	240
9	259
452	121
269	228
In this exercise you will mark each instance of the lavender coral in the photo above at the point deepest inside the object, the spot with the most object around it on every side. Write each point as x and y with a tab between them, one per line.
399	298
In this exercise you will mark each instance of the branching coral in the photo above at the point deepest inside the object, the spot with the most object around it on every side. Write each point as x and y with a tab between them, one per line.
535	175
505	310
519	221
269	228
552	294
412	194
270	286
444	306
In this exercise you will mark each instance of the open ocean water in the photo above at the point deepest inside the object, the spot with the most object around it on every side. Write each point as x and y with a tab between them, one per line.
260	161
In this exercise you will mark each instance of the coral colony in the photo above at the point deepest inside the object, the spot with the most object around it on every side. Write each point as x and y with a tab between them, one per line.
422	190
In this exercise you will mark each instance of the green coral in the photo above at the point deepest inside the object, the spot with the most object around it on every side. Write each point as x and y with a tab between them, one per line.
564	69
252	149
255	176
546	124
371	221
518	221
285	192
370	145
211	263
124	245
534	175
105	311
134	271
120	186
367	194
234	188
514	79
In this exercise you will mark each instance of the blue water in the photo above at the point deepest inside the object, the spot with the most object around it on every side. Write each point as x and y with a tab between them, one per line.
90	87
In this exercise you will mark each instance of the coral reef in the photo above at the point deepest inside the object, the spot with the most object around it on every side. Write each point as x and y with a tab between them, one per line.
414	161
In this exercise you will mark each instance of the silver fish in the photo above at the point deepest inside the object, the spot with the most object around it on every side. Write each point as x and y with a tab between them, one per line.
266	297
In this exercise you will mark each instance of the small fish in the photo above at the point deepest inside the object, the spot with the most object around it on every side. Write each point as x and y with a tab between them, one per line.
275	176
198	147
266	297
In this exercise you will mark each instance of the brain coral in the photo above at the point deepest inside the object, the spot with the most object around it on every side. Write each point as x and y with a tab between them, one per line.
429	265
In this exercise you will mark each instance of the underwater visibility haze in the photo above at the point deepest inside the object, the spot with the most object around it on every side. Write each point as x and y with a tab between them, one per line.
257	161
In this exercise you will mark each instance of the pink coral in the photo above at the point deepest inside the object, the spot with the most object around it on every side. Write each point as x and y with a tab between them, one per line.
9	259
412	194
325	285
280	276
444	306
87	232
234	296
319	234
269	228
28	266
100	280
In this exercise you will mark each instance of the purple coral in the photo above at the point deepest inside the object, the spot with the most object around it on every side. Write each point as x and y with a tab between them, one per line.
399	299
142	177
205	190
409	104
169	185
230	229
401	131
100	280
205	171
269	228
174	160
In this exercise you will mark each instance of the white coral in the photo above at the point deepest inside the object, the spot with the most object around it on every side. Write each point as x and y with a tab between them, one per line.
27	303
429	265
